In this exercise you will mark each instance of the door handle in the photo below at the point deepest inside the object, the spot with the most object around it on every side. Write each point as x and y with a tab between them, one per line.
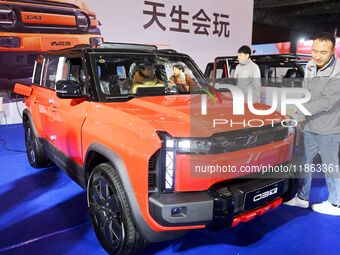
51	101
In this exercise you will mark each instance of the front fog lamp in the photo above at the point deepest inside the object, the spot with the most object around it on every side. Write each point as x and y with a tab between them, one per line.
9	42
8	18
83	21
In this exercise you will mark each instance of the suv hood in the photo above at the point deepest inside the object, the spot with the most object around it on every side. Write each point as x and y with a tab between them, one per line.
180	115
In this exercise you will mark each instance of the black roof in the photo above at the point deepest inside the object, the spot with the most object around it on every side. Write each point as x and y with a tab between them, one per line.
111	47
271	58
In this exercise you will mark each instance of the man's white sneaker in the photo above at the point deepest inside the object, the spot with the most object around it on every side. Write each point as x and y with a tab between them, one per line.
298	202
326	208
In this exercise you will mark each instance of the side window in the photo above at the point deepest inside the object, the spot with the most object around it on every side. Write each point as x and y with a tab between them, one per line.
73	70
76	72
121	72
50	74
113	78
219	73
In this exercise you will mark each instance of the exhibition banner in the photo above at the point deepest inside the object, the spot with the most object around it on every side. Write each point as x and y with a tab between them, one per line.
202	29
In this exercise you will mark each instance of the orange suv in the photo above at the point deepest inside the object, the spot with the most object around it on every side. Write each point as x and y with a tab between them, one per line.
29	27
140	146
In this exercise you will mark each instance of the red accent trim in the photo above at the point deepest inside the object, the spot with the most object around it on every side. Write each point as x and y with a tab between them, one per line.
257	212
225	70
216	94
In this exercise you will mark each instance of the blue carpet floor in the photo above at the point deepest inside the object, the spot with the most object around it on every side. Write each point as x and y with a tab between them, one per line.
44	212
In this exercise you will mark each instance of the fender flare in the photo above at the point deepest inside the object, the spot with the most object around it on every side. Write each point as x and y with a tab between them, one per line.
150	234
27	113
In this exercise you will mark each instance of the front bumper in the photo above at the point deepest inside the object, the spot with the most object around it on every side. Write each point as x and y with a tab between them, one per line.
223	205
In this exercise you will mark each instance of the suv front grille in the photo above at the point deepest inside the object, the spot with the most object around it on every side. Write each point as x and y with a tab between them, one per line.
50	18
253	137
237	140
248	138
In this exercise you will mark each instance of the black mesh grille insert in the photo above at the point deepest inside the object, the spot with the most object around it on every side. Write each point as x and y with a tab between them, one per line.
152	178
248	138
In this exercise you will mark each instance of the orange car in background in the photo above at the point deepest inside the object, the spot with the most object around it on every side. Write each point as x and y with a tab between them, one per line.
29	27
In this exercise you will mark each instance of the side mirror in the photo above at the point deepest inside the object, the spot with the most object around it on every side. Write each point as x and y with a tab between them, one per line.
69	89
22	89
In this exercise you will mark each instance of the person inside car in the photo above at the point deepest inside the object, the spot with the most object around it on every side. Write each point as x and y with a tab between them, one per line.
145	77
182	80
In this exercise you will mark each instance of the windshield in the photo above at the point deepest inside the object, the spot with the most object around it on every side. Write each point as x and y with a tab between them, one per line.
124	75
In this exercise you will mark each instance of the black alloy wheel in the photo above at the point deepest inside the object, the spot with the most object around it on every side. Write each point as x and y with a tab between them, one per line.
110	212
35	151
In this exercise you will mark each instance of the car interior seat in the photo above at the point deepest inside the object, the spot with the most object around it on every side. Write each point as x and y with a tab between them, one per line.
109	81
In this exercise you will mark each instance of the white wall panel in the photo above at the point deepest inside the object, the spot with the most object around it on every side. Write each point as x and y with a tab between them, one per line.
126	21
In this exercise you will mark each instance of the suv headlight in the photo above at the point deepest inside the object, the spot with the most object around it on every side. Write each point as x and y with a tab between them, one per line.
8	18
170	147
167	162
194	146
83	21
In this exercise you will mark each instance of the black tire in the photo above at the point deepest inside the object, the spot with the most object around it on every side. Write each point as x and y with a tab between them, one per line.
35	151
111	214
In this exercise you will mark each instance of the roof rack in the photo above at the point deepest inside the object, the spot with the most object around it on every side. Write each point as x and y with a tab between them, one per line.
132	46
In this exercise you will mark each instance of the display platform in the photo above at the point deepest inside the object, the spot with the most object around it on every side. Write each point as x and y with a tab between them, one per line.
45	212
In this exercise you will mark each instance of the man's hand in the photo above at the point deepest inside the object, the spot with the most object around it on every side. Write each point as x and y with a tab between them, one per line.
297	116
